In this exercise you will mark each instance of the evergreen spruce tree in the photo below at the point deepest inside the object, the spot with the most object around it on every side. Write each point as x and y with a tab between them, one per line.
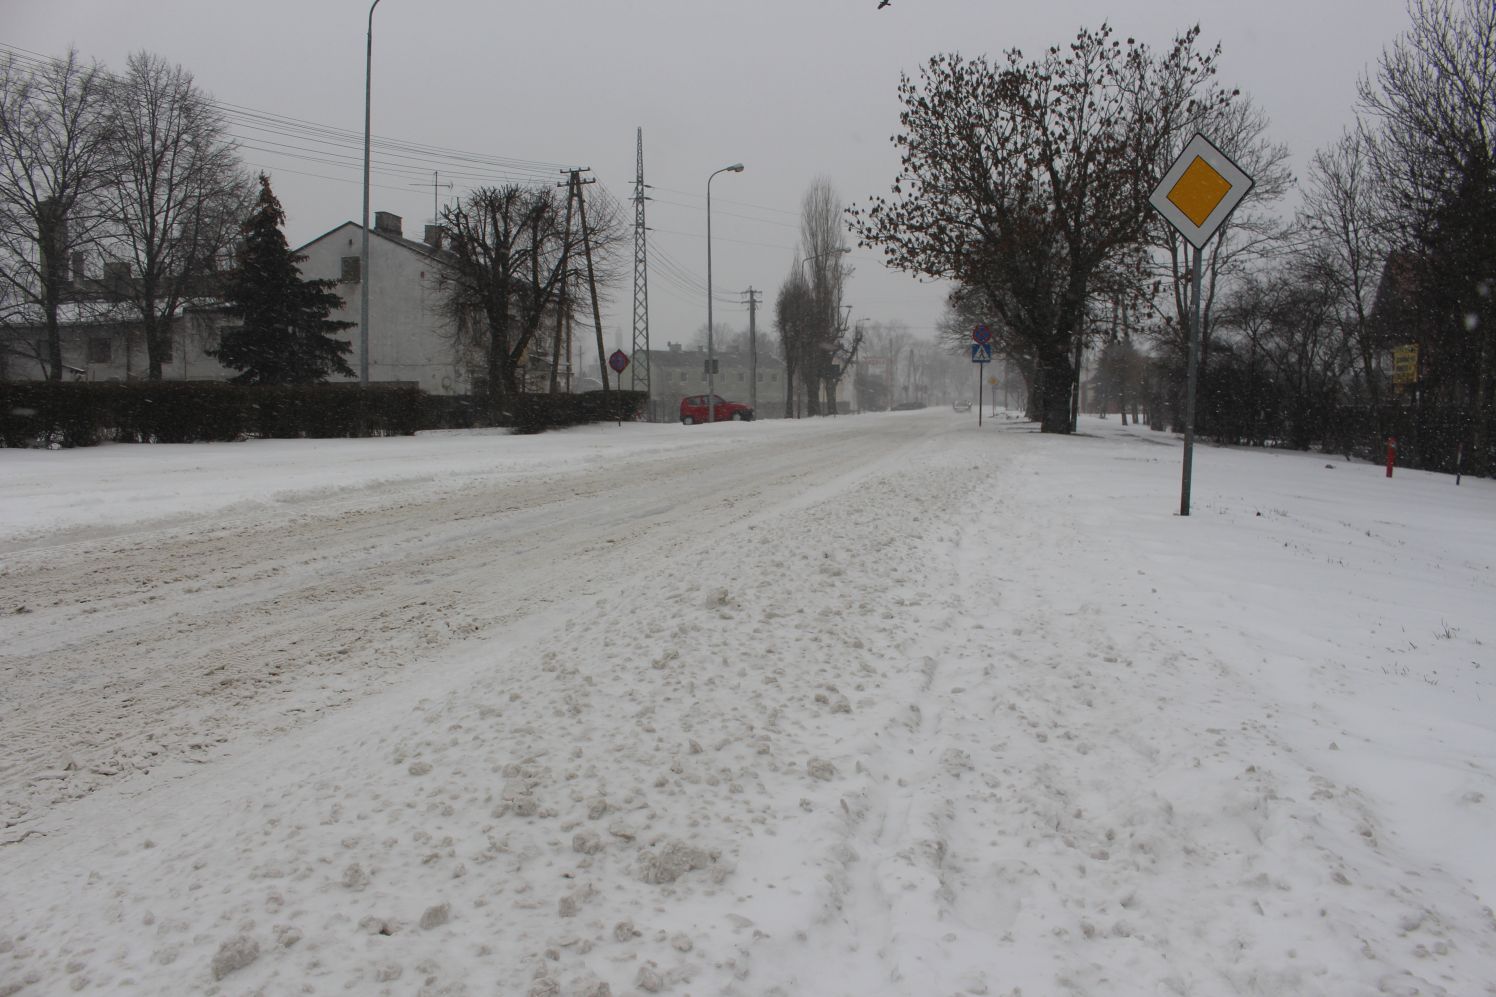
284	336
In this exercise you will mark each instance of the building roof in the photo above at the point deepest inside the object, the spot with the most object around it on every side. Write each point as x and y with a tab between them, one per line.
415	246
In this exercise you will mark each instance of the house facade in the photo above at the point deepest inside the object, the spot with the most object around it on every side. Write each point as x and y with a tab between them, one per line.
411	340
410	337
102	339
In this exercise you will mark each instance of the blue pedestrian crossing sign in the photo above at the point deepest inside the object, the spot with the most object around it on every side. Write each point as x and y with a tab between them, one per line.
981	352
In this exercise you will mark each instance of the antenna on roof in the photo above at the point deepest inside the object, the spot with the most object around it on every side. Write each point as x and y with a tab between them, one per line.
435	185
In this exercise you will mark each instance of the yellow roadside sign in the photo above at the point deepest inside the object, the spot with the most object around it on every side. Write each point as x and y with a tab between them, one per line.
1405	364
1200	191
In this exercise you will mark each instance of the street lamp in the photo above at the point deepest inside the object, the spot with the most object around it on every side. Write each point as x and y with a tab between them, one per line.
820	256
363	259
838	251
836	327
711	390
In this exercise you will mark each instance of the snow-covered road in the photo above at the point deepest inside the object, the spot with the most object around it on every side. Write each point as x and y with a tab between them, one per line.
162	646
884	705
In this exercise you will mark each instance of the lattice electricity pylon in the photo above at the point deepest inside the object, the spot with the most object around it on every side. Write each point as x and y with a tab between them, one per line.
640	365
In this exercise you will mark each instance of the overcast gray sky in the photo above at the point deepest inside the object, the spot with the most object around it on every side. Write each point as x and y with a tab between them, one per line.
792	88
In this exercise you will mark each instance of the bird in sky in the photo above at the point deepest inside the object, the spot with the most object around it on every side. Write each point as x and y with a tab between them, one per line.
883	3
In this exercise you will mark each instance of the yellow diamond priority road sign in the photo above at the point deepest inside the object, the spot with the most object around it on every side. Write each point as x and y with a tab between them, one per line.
1200	191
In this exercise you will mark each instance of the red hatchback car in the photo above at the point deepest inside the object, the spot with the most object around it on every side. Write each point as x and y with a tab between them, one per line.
694	409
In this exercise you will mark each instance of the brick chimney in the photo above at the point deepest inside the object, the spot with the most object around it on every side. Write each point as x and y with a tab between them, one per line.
388	223
433	237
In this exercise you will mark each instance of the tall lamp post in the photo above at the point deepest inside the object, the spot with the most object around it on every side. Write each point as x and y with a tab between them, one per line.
711	389
363	259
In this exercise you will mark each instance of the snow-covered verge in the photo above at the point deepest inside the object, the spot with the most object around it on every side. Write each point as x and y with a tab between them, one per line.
886	705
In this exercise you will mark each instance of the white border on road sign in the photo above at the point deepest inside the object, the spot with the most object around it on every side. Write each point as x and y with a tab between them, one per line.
1201	148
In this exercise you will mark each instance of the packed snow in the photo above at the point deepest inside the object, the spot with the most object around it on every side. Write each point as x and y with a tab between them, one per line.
888	704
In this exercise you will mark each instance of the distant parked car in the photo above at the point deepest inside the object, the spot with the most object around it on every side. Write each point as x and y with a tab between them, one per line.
962	406
694	409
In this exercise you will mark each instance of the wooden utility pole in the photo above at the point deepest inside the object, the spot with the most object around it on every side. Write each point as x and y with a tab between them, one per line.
574	185
561	298
587	247
597	317
754	297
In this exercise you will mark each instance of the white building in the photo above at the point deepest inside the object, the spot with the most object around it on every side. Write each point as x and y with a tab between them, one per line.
411	340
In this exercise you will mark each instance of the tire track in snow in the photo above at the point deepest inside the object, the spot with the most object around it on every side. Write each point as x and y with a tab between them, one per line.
166	647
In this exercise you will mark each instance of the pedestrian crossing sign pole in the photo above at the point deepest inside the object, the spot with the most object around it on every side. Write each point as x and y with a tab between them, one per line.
981	354
1196	196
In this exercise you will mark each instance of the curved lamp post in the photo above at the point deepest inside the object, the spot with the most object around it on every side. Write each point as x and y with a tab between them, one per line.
821	256
363	259
843	251
711	390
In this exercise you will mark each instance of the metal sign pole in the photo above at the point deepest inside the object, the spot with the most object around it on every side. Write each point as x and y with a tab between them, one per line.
1190	384
1196	196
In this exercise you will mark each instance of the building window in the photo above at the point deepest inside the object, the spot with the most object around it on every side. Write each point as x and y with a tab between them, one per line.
168	350
352	269
100	349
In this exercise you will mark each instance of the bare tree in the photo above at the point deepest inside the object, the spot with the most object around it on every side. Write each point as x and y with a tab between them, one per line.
795	318
1021	180
176	196
824	246
1253	315
1306	355
510	251
1342	218
1431	108
1122	367
1245	241
1432	98
54	155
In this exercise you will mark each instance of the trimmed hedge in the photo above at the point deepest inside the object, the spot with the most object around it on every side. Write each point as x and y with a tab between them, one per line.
537	413
40	413
327	411
81	414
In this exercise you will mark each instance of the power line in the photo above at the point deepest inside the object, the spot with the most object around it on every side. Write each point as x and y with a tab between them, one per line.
728	214
728	200
718	238
330	145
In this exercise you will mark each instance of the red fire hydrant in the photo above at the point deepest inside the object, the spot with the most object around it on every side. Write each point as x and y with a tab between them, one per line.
1391	454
